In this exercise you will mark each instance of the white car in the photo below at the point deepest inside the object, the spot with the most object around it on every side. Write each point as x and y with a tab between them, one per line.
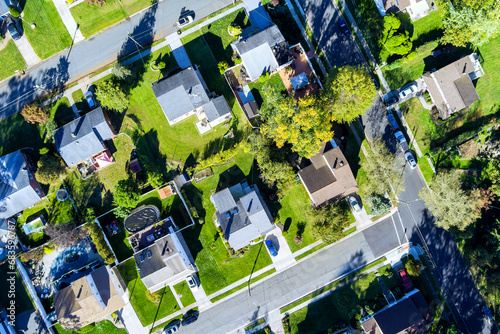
400	137
184	21
408	91
411	160
354	204
192	282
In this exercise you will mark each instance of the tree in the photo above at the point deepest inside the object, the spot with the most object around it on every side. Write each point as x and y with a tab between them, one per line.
65	234
34	114
394	39
349	93
491	174
155	179
384	170
452	206
329	222
127	194
413	267
50	169
222	65
111	96
466	25
303	124
121	71
100	243
50	127
379	205
14	11
234	29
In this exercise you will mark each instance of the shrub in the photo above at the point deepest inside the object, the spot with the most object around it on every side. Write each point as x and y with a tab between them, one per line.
412	55
48	249
234	29
413	267
379	204
50	169
264	77
159	65
153	297
50	128
122	212
100	243
155	179
14	12
223	65
395	64
284	234
44	150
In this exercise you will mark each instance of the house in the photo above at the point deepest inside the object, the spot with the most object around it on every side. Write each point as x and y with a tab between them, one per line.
242	214
329	176
4	9
451	88
18	187
162	256
82	141
410	314
416	9
89	298
185	94
263	52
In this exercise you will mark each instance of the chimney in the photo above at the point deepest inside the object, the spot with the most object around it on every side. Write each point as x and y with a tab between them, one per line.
73	134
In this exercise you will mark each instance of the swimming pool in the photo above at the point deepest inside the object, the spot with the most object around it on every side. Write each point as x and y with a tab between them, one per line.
142	218
71	258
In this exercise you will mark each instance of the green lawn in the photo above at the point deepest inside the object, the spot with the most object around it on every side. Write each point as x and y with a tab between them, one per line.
22	299
216	268
147	311
428	28
94	19
389	277
50	35
337	309
104	326
185	294
12	60
242	286
81	103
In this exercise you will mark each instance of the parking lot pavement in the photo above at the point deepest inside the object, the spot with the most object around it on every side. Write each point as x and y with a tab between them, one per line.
285	258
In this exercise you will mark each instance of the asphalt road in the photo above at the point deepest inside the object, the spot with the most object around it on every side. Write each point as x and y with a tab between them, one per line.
322	17
98	51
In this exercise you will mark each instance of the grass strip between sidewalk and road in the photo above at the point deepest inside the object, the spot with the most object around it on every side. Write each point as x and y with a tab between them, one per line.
12	60
241	286
332	285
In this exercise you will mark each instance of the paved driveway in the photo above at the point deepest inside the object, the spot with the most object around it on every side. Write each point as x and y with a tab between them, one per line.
322	17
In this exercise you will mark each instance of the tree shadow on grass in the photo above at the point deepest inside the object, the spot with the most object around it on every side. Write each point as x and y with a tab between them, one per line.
192	234
148	146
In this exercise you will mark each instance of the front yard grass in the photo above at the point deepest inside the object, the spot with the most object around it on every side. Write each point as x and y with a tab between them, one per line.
93	19
184	292
146	310
12	60
389	277
50	35
104	326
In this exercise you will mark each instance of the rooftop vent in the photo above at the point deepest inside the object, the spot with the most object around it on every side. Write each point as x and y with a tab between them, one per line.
235	211
73	134
341	163
148	254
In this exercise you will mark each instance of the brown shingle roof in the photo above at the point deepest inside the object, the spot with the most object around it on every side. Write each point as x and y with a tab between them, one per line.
329	176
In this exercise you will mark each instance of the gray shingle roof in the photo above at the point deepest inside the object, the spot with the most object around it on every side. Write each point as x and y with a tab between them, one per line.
216	108
16	193
82	138
242	214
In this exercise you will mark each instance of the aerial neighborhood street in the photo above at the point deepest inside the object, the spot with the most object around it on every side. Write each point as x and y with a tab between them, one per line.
254	166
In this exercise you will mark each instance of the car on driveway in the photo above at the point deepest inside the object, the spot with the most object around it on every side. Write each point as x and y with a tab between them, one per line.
89	97
184	21
14	31
172	327
400	137
440	51
408	91
487	314
411	160
270	246
190	318
343	27
405	278
192	282
354	204
390	101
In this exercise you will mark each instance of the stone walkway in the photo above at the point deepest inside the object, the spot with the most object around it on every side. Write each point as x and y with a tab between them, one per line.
68	20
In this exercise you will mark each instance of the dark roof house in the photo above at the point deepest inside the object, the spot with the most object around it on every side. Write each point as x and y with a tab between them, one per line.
266	51
84	137
18	187
242	214
165	262
409	315
89	298
451	88
185	94
329	176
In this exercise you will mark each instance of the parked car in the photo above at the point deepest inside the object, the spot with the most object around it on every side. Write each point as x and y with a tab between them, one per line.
184	21
270	246
172	327
440	51
343	27
190	318
400	137
408	91
411	160
90	100
14	31
405	278
392	122
487	314
390	101
192	282
354	204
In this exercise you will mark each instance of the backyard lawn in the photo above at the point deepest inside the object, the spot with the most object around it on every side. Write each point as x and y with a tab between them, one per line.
146	310
12	60
104	326
185	294
93	19
50	35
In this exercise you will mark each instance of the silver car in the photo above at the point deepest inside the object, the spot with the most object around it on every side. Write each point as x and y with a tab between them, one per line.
354	204
192	282
408	91
411	160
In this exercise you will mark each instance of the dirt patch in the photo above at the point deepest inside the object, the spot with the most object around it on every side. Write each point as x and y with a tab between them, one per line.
469	149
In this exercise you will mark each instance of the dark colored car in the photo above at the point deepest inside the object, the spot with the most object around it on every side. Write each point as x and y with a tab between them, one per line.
487	314
190	318
390	101
405	278
344	27
270	246
14	31
172	327
440	51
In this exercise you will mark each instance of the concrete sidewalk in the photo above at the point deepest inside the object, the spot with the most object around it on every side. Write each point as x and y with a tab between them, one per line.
68	20
27	51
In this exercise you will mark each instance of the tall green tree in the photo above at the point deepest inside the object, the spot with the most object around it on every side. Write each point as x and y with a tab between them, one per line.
50	169
394	39
127	193
449	203
348	93
304	124
111	96
329	222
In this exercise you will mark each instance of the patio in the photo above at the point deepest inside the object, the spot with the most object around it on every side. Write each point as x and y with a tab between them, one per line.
95	163
147	237
299	78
